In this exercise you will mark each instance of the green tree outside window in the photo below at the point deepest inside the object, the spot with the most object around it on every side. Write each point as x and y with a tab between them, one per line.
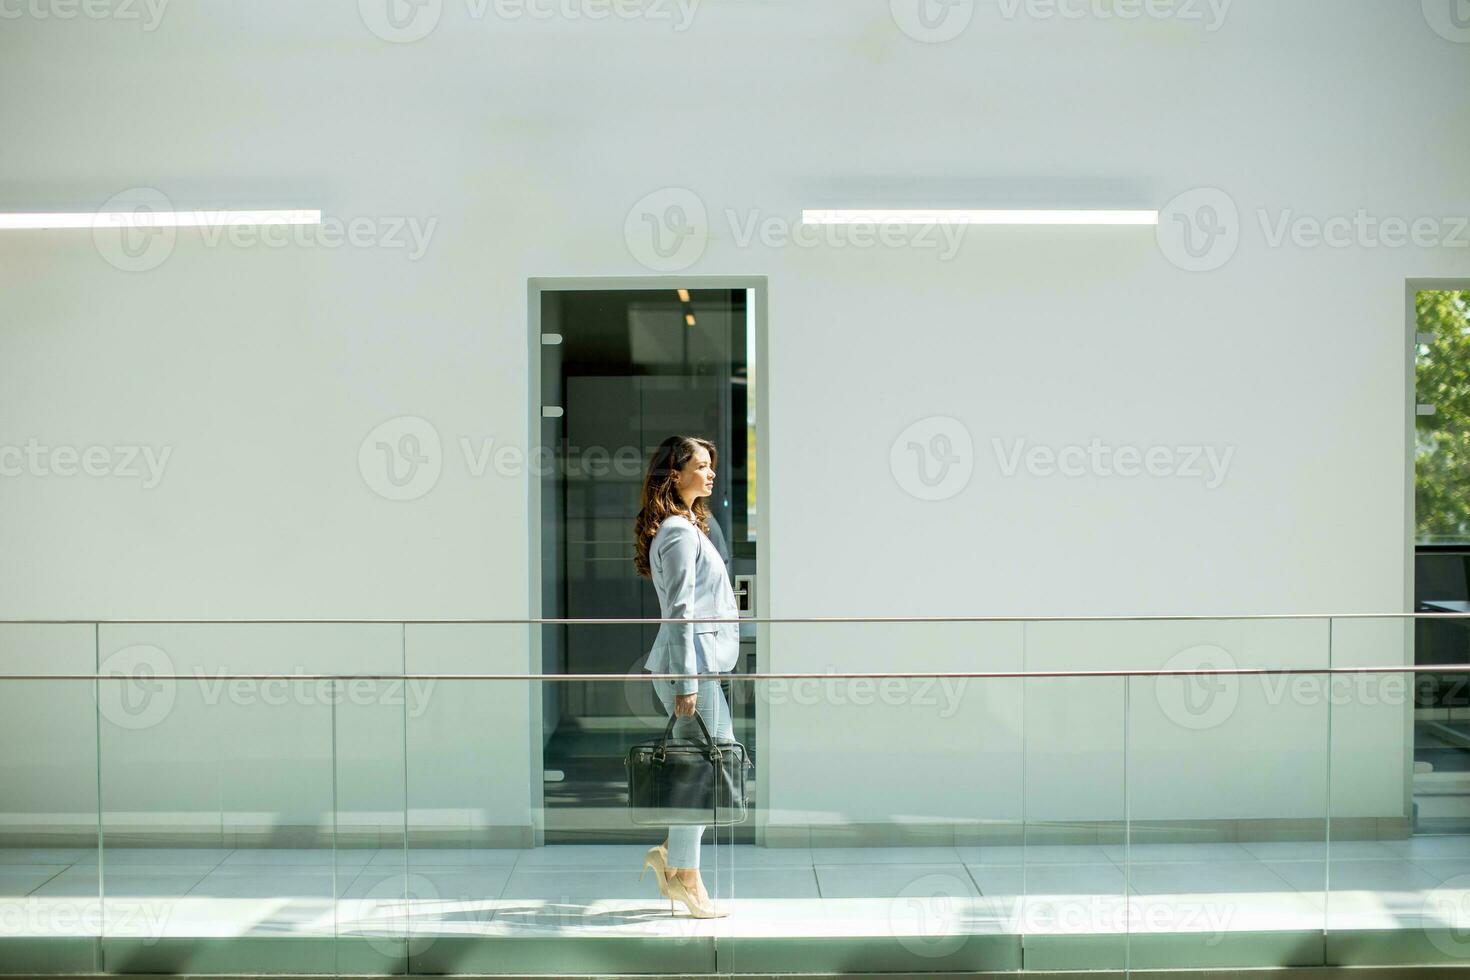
1442	452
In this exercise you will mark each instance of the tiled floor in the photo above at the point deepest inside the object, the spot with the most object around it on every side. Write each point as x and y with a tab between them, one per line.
797	892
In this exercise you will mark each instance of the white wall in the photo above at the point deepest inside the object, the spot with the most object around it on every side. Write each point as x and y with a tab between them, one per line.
528	142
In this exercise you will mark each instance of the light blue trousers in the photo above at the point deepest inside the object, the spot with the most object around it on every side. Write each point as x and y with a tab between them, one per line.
715	710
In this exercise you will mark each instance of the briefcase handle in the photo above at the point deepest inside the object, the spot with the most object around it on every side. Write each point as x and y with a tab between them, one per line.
658	752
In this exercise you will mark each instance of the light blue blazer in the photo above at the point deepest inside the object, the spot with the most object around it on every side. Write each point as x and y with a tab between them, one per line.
690	579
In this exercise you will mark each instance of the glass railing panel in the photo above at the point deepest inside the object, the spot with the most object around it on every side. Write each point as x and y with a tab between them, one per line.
524	855
50	904
878	802
377	891
474	794
162	776
1074	911
218	793
1398	880
1227	784
438	824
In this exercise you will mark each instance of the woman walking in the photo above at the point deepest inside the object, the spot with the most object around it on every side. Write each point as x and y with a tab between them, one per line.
672	547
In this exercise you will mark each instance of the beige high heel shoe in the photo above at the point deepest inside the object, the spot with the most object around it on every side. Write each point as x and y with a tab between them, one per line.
657	858
697	908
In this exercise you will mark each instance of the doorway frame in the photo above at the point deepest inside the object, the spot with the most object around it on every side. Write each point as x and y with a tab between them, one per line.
1412	288
758	286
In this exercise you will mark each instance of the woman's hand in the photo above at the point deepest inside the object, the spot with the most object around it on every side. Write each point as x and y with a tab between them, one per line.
684	704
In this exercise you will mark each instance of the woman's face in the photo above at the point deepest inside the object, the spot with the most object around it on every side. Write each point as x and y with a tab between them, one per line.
697	478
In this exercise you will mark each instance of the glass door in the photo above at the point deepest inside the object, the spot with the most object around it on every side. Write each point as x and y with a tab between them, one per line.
621	369
1441	524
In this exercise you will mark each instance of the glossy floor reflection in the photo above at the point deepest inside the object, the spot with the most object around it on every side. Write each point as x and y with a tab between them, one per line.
587	889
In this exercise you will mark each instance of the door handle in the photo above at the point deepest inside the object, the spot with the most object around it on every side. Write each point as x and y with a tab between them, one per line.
745	594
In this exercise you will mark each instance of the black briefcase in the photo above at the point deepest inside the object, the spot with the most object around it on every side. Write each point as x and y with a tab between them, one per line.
675	781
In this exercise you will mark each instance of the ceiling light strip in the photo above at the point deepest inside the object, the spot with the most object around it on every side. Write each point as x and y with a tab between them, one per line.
144	218
933	216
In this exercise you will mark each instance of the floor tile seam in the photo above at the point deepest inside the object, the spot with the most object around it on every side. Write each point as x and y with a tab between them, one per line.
31	892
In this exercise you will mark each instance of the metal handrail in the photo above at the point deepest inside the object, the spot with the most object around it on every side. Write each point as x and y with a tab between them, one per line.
643	676
591	621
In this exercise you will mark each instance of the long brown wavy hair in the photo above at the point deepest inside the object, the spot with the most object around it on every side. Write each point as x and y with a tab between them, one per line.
661	496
